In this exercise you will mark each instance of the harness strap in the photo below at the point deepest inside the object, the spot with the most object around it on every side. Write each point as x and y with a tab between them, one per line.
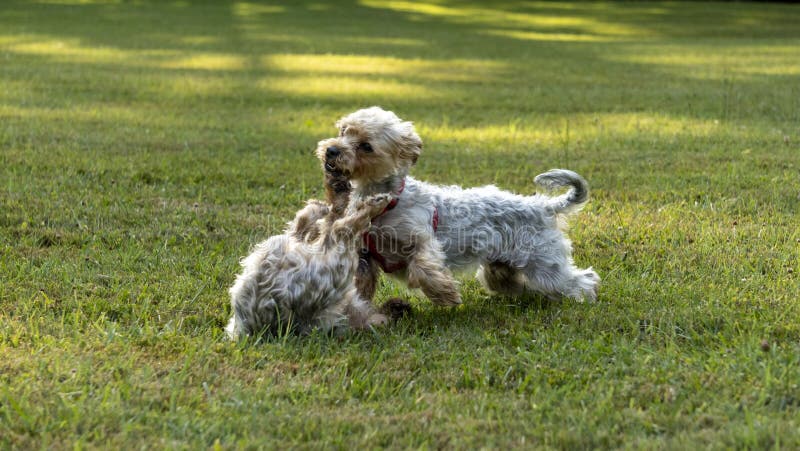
369	241
394	200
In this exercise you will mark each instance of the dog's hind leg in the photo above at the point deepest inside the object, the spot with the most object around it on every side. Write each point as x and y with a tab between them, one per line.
367	275
426	271
564	280
501	278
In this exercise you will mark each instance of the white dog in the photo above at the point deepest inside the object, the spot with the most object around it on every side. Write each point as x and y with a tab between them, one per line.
304	279
517	241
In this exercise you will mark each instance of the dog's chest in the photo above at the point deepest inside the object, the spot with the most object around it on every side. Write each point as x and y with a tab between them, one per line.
392	240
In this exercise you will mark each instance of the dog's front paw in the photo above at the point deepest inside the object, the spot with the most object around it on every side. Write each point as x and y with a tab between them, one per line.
337	182
379	200
377	320
377	203
396	308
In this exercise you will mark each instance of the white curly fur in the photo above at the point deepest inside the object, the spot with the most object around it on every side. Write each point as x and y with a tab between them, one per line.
517	242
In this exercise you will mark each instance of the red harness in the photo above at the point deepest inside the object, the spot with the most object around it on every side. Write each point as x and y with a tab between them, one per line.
369	240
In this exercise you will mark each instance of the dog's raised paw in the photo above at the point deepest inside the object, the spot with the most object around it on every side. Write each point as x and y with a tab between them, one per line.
379	200
377	203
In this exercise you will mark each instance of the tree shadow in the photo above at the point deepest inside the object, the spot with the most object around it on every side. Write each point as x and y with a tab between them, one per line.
165	77
464	58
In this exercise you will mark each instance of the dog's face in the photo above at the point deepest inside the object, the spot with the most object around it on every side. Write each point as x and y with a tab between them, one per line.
372	145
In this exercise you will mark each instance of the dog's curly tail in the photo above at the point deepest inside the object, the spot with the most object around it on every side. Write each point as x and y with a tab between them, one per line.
557	178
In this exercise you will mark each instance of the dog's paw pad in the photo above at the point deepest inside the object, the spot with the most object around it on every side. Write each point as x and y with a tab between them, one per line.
396	308
379	200
377	319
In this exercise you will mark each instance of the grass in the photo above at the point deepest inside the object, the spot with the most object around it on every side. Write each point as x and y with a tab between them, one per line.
145	146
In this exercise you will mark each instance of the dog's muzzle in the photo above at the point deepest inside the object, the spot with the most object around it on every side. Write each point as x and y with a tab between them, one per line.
332	152
330	158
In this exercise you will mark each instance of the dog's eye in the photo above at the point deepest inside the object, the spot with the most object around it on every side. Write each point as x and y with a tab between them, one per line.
366	147
341	131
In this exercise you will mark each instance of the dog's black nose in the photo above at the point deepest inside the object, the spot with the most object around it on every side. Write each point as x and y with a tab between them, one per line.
332	152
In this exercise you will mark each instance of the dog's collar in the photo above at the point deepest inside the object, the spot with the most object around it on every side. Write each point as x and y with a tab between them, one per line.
369	241
395	197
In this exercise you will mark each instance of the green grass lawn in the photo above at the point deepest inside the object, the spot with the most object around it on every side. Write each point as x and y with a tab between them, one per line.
145	147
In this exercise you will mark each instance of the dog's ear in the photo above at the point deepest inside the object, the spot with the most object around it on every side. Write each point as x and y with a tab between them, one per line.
409	143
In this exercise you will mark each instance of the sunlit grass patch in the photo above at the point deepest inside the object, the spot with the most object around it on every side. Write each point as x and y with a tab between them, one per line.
332	87
72	51
598	126
501	17
65	50
719	62
544	36
444	70
208	62
251	9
